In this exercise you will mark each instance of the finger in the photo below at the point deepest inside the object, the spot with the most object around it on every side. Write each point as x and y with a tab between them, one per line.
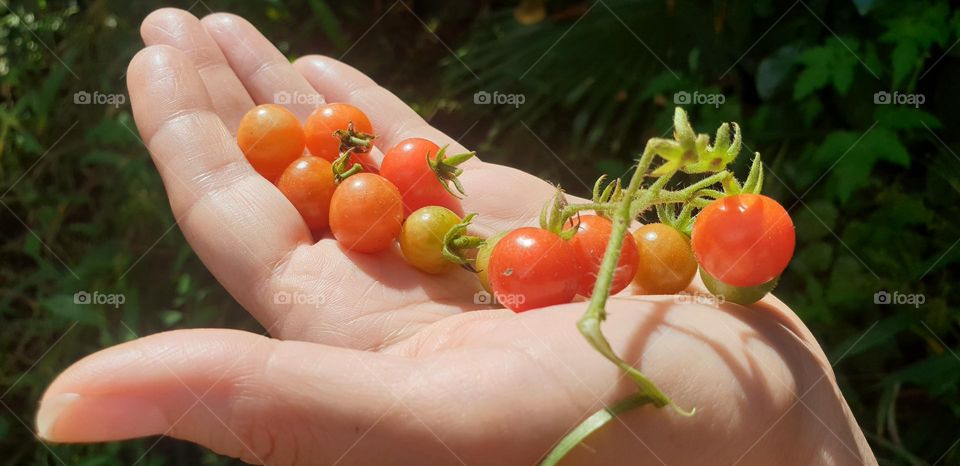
182	30
393	120
265	401
262	69
239	224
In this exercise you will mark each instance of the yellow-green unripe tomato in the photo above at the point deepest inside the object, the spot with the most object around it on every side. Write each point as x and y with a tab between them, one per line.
421	238
483	259
744	295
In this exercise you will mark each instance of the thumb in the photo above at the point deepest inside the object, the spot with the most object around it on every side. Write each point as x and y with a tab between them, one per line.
237	393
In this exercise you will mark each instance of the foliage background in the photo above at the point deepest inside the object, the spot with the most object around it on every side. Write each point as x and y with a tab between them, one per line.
873	189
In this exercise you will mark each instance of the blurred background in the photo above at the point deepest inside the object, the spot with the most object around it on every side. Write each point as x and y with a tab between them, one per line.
851	102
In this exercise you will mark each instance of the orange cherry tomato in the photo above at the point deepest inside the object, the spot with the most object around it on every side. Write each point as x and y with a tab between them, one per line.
271	137
666	263
590	244
366	213
328	118
308	184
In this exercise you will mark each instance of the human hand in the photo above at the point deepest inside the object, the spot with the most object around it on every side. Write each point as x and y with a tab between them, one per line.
387	366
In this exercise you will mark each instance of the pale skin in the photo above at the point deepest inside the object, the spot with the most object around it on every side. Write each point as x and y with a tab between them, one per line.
386	365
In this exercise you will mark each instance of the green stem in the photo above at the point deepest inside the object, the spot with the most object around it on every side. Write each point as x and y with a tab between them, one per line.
687	193
355	141
591	425
590	324
467	242
356	168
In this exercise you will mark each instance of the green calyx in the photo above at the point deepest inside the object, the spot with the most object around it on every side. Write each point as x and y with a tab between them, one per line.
447	171
350	138
555	216
340	169
456	243
692	153
607	195
744	295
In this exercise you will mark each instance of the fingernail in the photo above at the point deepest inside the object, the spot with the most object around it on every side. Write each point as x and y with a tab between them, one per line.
49	412
71	417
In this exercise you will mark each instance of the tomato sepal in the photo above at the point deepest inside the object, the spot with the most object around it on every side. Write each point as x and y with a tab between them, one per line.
339	166
456	242
743	295
447	171
350	138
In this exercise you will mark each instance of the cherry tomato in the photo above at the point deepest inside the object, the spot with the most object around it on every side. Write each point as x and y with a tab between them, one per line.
405	165
744	240
328	118
308	184
421	238
744	295
482	261
666	265
532	268
590	244
271	137
366	213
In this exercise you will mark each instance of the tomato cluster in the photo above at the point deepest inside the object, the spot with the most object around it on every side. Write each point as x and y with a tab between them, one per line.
741	242
337	184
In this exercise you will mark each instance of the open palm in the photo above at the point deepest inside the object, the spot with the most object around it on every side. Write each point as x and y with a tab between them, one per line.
374	362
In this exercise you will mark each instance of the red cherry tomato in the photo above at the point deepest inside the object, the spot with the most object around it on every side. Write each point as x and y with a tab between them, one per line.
366	213
271	137
405	165
590	244
744	240
308	184
328	118
532	268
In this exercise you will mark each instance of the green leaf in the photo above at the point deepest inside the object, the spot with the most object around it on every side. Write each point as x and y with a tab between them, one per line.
904	58
833	62
810	80
814	258
901	117
64	307
882	333
815	221
852	157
